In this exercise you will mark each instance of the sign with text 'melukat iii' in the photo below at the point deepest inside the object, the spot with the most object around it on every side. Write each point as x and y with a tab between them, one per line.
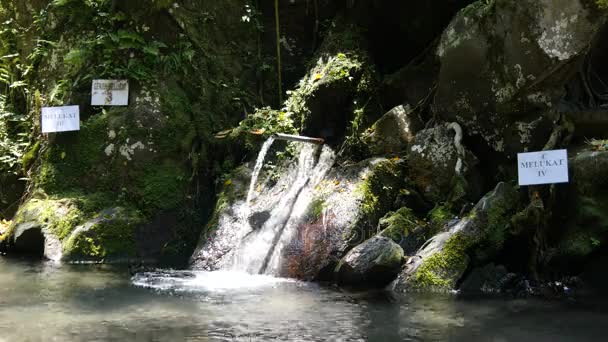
545	167
110	93
60	119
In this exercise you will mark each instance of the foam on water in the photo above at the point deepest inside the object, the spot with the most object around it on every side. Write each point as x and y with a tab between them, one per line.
195	281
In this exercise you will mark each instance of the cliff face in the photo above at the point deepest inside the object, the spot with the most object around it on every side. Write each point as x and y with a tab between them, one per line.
463	93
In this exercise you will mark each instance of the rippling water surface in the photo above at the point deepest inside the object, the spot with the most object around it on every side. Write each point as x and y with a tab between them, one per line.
47	302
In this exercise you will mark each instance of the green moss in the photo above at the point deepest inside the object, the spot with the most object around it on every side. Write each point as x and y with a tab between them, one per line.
112	236
378	193
483	236
315	209
438	217
163	186
396	225
442	270
381	187
73	160
30	156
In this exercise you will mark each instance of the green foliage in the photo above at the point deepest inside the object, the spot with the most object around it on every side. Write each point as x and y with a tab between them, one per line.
118	48
602	4
267	121
15	125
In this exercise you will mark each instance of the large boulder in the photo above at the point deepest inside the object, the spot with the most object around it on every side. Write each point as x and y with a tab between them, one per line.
441	262
374	263
504	65
440	166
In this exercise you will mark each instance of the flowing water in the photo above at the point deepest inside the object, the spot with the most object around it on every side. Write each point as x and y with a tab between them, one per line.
46	302
276	209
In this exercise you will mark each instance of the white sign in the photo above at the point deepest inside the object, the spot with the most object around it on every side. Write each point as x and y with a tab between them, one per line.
546	167
60	119
110	93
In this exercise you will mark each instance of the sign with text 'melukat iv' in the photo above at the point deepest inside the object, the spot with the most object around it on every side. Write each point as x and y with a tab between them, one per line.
545	167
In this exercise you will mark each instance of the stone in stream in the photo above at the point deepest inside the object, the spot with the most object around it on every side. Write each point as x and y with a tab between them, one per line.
374	263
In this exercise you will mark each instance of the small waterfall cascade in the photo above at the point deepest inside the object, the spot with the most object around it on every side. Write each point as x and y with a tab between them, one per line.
259	163
266	223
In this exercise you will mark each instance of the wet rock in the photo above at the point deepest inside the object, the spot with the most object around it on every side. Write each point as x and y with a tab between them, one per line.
489	279
30	233
440	166
354	198
441	261
393	132
373	263
504	65
220	236
257	220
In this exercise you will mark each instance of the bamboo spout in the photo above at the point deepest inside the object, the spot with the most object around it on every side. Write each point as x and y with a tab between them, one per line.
289	137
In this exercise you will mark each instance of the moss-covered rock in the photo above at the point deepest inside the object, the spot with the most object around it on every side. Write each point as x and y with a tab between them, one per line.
441	262
76	227
109	237
404	228
335	93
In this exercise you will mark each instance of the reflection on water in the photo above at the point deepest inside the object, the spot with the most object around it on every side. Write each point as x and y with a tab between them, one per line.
48	302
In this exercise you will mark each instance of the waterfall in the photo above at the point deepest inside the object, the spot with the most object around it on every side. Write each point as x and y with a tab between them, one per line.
258	167
252	233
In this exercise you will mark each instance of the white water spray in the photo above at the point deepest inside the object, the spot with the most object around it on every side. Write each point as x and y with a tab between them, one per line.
258	167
